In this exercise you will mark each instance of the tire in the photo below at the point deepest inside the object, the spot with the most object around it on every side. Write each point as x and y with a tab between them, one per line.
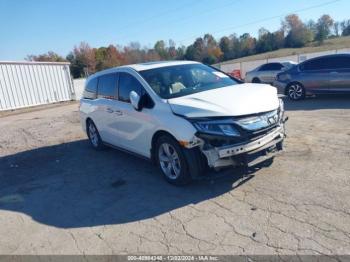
94	136
256	80
172	161
295	92
268	162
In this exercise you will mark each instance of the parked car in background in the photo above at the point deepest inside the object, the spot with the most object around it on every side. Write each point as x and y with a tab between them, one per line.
322	75
236	74
267	73
184	116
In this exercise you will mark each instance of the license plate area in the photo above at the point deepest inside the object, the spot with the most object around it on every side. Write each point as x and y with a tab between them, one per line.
252	159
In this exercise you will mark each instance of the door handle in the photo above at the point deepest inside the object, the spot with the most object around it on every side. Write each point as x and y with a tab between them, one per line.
118	112
334	73
109	110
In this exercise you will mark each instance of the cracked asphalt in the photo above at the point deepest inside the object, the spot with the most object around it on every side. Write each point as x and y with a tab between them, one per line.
59	196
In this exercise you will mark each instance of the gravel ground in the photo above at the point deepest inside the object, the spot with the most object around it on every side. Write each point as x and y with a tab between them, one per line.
59	196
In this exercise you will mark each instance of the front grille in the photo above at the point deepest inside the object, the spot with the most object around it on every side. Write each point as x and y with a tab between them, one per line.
254	127
260	133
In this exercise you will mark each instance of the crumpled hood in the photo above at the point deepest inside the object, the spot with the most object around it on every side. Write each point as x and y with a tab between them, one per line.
236	100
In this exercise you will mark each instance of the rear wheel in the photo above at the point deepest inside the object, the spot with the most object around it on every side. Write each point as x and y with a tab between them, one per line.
172	161
256	80
296	92
94	136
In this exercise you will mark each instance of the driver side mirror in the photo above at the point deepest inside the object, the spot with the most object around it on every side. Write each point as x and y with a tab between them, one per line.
135	100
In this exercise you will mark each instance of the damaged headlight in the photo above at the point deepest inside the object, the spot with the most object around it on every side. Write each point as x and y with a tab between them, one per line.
223	128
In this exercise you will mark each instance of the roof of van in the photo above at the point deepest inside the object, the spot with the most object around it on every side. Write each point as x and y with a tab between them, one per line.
143	66
157	64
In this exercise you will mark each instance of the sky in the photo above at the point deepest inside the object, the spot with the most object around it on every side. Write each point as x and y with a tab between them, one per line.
37	26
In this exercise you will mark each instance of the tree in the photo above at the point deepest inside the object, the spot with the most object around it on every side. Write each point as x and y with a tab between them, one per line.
180	52
107	57
160	48
323	26
247	44
152	55
345	27
293	33
85	55
134	54
76	67
47	57
83	60
278	39
336	28
212	52
195	51
298	35
265	41
225	46
312	26
291	22
205	50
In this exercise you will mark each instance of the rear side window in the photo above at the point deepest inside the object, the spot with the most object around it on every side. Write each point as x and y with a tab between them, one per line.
92	85
107	86
341	62
128	83
327	63
271	67
315	64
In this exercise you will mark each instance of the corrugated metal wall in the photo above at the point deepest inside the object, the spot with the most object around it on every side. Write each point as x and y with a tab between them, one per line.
24	84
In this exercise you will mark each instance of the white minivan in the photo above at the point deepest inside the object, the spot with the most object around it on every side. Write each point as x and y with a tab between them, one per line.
184	116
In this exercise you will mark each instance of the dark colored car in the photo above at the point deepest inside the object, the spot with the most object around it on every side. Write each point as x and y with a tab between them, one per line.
322	75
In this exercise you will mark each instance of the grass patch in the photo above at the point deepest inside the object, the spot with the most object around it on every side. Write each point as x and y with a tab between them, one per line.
330	44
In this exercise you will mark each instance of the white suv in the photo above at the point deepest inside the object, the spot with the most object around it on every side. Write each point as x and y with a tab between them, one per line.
184	116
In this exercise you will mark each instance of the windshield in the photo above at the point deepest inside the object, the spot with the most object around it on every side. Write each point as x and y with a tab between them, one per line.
181	80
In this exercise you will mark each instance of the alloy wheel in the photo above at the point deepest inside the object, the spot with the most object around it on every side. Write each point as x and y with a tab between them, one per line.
295	92
93	135
169	161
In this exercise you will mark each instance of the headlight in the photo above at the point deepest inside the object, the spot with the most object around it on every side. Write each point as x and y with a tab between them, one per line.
216	128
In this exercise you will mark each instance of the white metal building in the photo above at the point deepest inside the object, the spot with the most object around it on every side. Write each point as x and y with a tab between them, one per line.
24	84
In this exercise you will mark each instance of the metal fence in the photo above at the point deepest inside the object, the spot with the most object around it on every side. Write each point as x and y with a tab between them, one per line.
24	84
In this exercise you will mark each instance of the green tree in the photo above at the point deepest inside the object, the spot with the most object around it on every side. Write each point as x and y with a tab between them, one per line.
247	45
265	41
212	52
195	51
298	35
180	52
161	49
225	45
345	27
324	27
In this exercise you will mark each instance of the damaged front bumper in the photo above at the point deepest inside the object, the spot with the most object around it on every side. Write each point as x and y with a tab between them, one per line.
249	153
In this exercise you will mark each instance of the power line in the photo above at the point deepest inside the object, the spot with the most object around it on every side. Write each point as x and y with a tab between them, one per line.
201	13
150	18
267	19
145	20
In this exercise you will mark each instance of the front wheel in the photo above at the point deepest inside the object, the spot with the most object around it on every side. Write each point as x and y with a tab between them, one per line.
172	161
296	92
94	136
256	80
